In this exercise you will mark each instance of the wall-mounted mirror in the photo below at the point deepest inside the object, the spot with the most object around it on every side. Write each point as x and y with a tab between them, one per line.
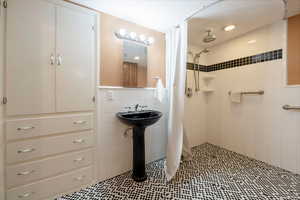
134	66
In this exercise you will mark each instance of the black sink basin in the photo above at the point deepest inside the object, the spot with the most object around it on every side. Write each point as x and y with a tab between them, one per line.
139	121
140	118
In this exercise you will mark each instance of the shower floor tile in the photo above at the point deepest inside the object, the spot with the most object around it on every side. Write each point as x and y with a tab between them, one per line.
214	173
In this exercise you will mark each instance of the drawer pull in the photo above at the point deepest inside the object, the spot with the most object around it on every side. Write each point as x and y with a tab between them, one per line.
25	195
25	173
78	159
79	141
79	178
79	122
288	107
26	150
25	128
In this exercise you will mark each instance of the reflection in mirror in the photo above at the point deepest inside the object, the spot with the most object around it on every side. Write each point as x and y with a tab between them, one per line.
134	69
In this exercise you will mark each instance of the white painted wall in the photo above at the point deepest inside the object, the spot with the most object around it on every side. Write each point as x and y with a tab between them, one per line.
258	127
1	105
114	151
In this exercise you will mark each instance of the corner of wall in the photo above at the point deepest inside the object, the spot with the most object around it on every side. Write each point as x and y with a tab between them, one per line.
2	192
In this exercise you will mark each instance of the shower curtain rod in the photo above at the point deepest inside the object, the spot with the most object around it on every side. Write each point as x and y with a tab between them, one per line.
203	8
199	10
219	1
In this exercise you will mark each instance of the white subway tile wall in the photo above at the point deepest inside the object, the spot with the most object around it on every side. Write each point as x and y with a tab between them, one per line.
257	127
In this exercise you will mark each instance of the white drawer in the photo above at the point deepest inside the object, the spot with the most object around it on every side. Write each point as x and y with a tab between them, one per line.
26	128
32	171
36	148
52	186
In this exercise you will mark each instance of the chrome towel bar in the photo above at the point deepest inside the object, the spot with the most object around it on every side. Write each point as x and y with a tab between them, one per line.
260	92
288	107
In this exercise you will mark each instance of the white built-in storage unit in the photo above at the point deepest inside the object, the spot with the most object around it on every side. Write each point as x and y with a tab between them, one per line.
50	84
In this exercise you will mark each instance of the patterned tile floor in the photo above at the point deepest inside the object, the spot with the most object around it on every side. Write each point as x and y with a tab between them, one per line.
214	173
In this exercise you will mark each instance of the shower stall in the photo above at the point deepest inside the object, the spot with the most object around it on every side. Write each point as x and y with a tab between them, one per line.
238	71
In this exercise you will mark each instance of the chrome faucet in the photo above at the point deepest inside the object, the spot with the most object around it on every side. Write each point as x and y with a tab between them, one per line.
136	107
142	107
128	108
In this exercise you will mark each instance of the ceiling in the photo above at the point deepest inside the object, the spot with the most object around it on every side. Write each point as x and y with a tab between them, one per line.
161	15
246	15
155	14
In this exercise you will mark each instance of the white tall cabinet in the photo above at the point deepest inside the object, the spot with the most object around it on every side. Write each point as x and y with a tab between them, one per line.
30	40
50	58
50	83
75	49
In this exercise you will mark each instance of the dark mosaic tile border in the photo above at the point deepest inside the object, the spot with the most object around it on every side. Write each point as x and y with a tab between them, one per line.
202	68
258	58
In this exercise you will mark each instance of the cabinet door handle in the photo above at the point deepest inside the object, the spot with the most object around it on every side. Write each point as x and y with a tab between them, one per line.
79	159
79	178
52	59
26	150
79	122
79	141
59	60
25	173
25	195
25	128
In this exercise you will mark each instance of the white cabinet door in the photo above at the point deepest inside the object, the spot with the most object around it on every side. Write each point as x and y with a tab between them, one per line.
30	77
76	60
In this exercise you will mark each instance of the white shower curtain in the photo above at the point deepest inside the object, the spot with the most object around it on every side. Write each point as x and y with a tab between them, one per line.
176	41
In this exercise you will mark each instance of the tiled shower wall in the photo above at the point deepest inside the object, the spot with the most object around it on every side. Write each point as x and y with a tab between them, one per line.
114	149
195	106
258	126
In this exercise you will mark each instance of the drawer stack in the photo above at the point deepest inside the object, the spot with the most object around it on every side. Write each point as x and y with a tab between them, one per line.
48	155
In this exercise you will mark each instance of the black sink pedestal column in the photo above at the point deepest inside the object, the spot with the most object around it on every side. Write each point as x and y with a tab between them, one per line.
139	171
139	120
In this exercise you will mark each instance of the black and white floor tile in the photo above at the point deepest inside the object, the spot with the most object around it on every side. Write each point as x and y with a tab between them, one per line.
213	174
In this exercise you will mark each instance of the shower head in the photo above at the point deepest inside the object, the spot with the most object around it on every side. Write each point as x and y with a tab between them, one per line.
205	50
197	55
210	37
201	52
